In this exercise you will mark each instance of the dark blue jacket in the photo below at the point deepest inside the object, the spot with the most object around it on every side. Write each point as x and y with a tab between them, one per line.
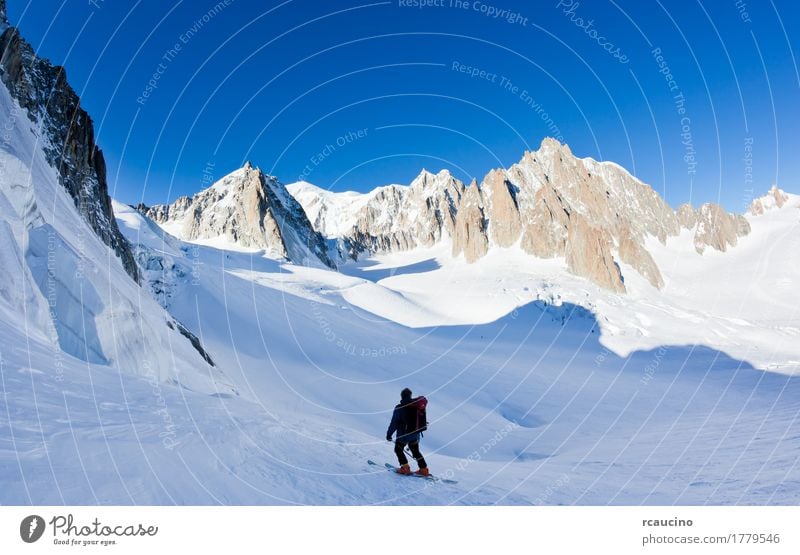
399	424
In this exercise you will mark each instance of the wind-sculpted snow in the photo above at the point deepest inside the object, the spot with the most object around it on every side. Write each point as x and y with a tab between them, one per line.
65	132
247	369
543	387
76	306
66	288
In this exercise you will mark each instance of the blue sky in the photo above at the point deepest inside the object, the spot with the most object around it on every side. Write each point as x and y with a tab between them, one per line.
352	95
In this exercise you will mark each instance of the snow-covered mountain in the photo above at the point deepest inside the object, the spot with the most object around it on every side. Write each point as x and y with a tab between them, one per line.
249	209
243	368
677	395
388	218
68	277
774	199
335	215
550	203
66	133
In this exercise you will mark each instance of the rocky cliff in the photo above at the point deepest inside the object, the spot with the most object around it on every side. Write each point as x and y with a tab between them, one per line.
554	204
67	134
775	198
717	229
469	233
551	203
251	209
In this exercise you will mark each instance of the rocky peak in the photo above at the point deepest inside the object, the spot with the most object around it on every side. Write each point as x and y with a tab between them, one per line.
67	132
557	205
550	147
430	182
717	228
423	180
251	209
686	215
591	213
469	235
394	217
775	198
551	203
712	226
430	205
503	210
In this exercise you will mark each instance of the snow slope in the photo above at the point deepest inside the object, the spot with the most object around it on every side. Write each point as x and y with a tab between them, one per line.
233	378
64	287
528	404
544	389
742	302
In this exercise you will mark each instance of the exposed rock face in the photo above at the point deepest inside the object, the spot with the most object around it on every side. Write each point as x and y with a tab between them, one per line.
775	198
504	222
390	218
718	229
163	212
469	235
589	255
57	232
742	225
429	207
419	215
687	217
250	209
633	253
67	134
545	234
713	226
559	205
550	203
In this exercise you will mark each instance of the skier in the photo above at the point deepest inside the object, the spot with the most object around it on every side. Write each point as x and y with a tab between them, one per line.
408	420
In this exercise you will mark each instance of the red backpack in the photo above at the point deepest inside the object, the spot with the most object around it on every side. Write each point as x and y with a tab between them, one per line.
416	415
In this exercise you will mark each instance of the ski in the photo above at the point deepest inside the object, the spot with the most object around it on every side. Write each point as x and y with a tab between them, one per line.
393	468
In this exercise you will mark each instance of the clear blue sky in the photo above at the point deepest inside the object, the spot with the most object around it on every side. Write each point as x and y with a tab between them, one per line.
289	85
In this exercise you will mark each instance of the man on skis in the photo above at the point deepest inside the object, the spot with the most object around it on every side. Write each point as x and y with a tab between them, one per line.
409	421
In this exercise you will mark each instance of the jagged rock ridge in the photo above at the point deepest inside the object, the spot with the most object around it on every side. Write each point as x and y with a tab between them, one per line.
67	134
775	198
251	209
389	218
56	240
551	204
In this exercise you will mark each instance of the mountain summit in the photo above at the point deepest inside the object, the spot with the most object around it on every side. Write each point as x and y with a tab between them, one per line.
550	204
250	209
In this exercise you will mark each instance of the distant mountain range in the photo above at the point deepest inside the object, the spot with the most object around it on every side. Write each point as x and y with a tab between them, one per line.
551	203
246	345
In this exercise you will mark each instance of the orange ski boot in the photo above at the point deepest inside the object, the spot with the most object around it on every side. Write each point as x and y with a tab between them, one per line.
423	472
404	469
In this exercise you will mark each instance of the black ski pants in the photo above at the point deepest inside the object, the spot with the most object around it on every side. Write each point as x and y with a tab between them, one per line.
401	456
